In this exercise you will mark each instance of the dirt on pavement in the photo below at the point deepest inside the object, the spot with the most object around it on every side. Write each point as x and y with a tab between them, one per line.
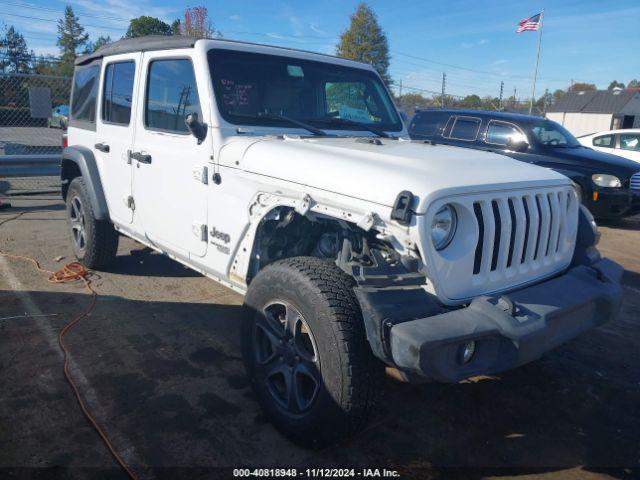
158	361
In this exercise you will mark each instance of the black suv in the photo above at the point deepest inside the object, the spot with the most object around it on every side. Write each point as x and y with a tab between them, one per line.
610	185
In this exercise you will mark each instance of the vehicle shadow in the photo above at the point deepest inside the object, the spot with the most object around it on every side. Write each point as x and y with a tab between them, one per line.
145	262
627	223
166	379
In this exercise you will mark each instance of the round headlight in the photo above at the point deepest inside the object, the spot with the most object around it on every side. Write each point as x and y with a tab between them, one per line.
443	227
604	180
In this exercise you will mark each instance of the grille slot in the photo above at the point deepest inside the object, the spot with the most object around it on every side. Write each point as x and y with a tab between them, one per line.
519	230
634	184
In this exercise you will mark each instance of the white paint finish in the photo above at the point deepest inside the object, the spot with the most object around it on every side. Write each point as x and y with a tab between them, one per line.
377	173
170	202
340	178
450	271
634	155
114	166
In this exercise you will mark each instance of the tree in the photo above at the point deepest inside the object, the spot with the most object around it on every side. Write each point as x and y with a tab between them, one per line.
615	84
365	41
100	42
175	27
71	36
46	65
196	23
582	87
409	102
633	83
144	25
558	94
14	55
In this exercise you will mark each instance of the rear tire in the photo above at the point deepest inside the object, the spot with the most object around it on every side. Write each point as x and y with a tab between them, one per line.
306	352
94	242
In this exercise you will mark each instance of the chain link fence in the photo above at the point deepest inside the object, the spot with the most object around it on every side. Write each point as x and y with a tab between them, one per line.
33	116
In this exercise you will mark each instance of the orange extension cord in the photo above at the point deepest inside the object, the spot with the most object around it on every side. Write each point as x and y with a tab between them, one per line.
73	272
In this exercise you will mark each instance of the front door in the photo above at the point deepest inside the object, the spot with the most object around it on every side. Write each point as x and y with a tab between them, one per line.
170	167
114	132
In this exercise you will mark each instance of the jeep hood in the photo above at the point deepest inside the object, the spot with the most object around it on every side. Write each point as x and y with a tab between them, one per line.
376	170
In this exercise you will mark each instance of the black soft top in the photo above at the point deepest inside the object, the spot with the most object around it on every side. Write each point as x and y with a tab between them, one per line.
138	44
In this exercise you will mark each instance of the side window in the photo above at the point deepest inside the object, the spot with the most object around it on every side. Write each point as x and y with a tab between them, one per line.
117	93
425	124
85	91
465	128
630	141
171	95
499	133
605	141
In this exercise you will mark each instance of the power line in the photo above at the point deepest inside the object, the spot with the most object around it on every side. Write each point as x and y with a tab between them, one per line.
56	21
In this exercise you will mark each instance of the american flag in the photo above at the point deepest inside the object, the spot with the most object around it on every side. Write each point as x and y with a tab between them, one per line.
529	24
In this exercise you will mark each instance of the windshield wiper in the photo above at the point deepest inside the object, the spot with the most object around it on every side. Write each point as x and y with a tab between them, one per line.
293	121
363	126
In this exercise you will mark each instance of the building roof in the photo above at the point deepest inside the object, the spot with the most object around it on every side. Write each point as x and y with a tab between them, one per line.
595	101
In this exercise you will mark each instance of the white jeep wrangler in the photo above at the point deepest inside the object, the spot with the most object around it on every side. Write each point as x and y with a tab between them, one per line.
288	176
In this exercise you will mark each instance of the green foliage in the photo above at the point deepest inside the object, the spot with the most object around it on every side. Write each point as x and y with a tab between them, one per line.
14	55
365	41
615	84
144	25
633	83
100	42
558	94
175	27
71	37
409	102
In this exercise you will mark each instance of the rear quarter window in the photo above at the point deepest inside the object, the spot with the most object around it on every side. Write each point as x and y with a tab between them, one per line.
465	128
84	95
425	124
605	141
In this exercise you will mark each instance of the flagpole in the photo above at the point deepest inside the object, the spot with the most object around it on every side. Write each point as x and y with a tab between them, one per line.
535	72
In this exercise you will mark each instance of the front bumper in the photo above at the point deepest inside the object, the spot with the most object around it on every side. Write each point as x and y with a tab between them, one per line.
614	202
511	329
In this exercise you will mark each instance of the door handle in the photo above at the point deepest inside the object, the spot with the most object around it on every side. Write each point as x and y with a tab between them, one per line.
103	147
141	157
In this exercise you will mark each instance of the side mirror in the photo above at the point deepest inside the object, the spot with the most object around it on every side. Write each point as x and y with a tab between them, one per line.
197	129
518	144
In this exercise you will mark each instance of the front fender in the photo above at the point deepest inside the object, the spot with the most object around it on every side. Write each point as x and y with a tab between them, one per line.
84	159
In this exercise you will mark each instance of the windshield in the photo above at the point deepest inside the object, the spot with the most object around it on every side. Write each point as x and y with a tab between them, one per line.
254	89
551	134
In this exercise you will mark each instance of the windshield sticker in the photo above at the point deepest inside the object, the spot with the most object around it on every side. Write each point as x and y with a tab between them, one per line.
354	114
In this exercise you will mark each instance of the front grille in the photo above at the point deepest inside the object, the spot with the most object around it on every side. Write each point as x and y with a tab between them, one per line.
518	230
634	184
504	239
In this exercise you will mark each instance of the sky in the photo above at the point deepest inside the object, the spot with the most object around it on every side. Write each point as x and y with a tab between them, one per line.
472	41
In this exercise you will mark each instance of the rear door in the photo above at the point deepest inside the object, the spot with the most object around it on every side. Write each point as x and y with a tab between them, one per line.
170	167
630	146
115	132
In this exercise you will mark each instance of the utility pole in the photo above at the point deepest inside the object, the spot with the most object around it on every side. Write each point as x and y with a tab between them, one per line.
400	92
444	83
514	97
501	91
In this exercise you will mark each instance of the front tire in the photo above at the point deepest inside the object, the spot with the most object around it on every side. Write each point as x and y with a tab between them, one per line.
306	352
94	242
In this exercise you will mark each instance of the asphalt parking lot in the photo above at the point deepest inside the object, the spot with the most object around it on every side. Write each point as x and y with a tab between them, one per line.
158	361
